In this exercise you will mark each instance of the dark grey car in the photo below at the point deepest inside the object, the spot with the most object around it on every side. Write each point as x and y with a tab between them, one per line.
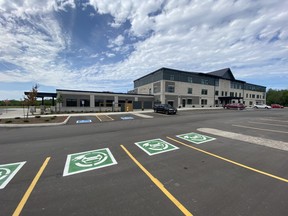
165	108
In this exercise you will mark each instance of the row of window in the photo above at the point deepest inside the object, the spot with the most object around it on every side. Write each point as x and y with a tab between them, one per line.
98	102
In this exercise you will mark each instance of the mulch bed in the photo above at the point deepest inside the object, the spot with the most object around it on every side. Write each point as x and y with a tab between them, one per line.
34	120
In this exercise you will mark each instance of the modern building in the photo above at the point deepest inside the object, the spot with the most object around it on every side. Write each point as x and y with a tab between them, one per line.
91	101
165	85
194	89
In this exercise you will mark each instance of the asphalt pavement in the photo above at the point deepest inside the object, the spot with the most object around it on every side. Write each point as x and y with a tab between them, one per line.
198	162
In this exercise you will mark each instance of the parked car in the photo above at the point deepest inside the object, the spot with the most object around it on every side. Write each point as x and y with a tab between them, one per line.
165	108
262	106
234	106
277	106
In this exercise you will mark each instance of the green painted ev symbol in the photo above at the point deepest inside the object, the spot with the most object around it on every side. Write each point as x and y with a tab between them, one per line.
156	146
4	172
90	159
195	138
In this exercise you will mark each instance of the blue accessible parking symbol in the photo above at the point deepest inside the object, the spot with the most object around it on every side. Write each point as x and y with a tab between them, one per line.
83	121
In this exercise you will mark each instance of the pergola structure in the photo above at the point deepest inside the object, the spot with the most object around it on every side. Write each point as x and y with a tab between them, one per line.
43	95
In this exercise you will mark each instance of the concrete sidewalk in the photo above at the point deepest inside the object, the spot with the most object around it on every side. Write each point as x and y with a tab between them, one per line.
19	112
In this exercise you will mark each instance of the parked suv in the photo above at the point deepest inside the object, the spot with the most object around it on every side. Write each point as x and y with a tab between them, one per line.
165	108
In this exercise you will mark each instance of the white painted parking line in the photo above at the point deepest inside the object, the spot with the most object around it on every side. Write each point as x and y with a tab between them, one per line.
274	120
245	138
279	125
142	115
276	131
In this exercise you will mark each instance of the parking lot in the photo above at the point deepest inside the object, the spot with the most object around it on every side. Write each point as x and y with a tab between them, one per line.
204	162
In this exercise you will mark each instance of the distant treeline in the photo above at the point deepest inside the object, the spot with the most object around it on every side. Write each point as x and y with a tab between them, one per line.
277	97
18	103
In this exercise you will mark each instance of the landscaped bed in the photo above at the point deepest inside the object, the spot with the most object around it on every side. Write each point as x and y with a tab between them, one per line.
34	120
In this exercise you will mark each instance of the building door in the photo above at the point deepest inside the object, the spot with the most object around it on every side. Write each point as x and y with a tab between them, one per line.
183	102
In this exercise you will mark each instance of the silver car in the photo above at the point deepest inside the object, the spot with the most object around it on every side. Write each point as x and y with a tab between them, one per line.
262	106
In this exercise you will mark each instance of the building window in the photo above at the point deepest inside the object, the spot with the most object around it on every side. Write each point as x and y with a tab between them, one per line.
216	93
216	82
190	80
189	91
171	77
189	101
203	101
204	92
84	103
226	93
222	93
99	102
171	88
109	103
71	102
203	81
231	94
239	94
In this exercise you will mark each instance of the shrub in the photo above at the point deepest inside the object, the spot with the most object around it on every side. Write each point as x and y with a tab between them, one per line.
17	117
37	116
8	121
47	120
26	120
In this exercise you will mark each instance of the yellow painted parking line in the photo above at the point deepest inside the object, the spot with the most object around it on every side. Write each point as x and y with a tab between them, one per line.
158	183
30	189
230	161
254	128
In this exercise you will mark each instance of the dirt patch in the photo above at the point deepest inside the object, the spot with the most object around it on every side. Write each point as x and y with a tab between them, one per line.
34	120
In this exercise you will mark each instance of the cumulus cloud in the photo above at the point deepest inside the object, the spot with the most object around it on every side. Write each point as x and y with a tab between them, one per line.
250	37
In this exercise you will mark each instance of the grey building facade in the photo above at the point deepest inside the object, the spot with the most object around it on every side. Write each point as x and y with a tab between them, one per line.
196	89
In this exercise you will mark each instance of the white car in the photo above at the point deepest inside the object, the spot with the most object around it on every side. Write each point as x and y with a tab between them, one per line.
262	106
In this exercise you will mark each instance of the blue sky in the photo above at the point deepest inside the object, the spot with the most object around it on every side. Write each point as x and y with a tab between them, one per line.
103	45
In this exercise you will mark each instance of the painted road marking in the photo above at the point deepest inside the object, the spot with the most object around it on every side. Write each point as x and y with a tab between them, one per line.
250	139
8	171
30	189
195	138
155	146
127	118
279	125
277	131
230	161
87	161
83	121
158	184
104	118
142	115
273	120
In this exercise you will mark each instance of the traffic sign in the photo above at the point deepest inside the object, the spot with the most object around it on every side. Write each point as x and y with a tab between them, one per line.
155	146
89	160
196	138
8	171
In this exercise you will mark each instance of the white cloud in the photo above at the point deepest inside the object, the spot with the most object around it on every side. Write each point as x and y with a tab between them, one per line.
250	37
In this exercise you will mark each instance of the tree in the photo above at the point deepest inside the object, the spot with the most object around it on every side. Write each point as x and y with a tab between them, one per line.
31	97
277	97
59	101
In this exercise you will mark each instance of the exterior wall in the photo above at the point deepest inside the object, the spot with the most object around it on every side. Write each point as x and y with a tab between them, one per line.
101	102
254	97
204	88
